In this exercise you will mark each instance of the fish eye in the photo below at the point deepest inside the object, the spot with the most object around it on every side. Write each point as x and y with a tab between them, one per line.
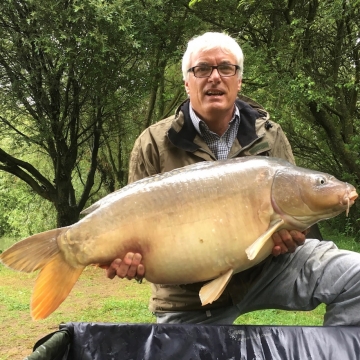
321	180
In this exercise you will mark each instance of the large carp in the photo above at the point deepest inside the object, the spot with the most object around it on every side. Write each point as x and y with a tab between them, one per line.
202	222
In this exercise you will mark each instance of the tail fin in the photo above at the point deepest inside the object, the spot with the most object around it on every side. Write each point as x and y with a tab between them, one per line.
56	278
52	286
33	252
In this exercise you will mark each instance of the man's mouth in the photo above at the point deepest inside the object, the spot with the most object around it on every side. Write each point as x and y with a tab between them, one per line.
214	93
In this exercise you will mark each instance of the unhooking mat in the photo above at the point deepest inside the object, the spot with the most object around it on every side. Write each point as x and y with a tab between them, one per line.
105	341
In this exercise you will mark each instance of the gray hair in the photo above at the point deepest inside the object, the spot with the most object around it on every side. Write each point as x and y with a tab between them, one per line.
209	41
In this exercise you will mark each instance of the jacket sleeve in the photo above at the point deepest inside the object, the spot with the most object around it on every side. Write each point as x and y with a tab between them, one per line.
144	158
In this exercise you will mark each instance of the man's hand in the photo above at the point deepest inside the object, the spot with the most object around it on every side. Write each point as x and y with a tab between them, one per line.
130	267
287	241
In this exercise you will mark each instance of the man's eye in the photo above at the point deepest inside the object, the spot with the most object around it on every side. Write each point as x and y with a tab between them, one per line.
225	68
203	68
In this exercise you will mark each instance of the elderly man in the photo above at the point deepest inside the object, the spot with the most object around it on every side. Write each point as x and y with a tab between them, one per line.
215	124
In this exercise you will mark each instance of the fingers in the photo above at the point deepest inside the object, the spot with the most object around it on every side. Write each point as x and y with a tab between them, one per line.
276	251
128	267
287	241
112	269
305	232
298	237
279	245
140	271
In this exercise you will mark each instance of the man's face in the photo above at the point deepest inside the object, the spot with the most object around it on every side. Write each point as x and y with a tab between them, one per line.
213	97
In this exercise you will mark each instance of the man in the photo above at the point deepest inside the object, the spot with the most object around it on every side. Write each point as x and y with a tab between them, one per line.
215	124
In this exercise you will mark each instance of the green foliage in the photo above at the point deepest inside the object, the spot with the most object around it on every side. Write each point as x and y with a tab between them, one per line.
23	213
343	231
61	65
81	80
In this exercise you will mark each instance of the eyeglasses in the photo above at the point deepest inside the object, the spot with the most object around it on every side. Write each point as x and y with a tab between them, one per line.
224	70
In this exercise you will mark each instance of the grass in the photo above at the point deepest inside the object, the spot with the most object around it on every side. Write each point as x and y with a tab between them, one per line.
93	299
98	299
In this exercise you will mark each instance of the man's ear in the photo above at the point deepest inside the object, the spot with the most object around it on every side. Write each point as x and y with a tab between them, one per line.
186	84
239	84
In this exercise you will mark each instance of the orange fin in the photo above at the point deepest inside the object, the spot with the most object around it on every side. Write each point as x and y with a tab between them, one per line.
56	278
33	252
212	290
52	286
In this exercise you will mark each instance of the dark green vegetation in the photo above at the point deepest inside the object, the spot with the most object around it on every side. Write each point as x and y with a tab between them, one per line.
79	80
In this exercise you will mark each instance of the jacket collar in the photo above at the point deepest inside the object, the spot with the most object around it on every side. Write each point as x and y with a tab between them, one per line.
183	138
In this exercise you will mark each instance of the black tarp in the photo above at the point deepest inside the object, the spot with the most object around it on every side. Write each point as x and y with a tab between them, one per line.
102	341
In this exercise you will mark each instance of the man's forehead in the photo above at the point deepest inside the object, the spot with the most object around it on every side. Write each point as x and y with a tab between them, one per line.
205	56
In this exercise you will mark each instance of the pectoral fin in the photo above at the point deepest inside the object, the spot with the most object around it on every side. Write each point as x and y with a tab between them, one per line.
212	290
258	244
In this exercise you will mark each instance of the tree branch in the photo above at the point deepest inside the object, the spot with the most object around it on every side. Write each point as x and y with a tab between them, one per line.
31	176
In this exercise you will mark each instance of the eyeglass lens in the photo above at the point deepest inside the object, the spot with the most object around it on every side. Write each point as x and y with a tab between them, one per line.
206	70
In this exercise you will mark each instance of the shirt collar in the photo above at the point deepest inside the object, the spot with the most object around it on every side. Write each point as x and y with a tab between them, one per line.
197	121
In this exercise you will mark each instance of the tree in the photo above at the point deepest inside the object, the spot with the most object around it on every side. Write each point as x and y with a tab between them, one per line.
61	64
161	29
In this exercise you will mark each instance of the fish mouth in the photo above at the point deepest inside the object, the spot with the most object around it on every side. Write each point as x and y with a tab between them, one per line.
349	200
353	195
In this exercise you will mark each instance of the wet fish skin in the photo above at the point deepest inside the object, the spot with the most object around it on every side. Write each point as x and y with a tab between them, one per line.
201	222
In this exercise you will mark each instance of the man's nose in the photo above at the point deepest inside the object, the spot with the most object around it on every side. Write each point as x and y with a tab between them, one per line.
215	75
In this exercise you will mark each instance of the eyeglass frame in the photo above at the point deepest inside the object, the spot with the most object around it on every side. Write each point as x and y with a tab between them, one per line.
213	67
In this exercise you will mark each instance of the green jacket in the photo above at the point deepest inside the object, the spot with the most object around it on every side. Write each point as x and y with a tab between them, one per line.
173	143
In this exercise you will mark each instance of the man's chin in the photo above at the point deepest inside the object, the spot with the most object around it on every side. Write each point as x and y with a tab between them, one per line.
217	105
215	98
